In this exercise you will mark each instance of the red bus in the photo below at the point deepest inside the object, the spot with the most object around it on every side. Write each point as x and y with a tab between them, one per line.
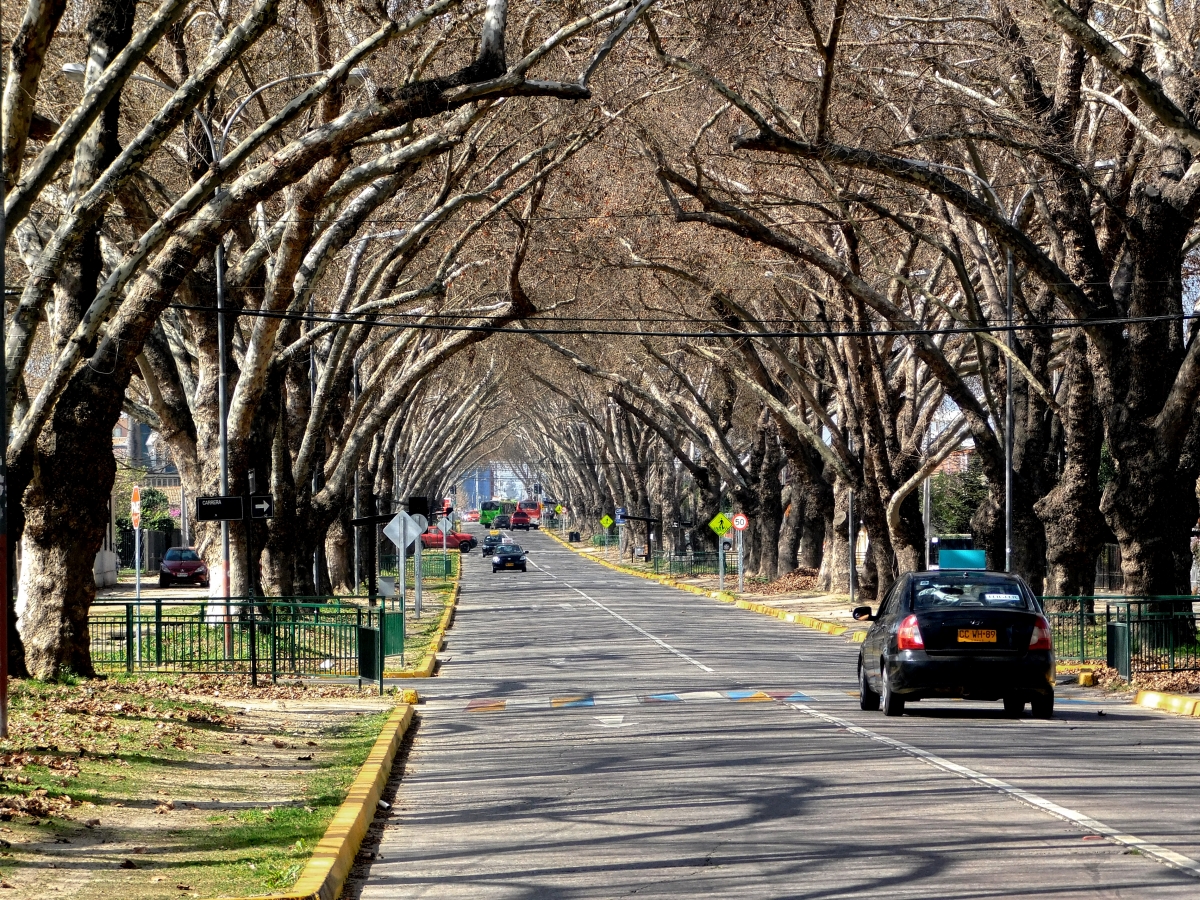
533	509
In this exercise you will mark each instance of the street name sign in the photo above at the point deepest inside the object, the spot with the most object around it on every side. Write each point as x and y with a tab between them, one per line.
606	520
621	511
218	509
720	524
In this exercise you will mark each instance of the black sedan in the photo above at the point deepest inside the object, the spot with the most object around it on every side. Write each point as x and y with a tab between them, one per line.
502	522
508	556
957	633
491	541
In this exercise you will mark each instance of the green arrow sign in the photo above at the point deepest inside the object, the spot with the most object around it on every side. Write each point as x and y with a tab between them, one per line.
606	520
720	524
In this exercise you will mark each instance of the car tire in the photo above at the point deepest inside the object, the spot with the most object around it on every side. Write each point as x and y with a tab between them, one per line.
1014	706
1042	706
523	569
164	581
893	703
493	570
867	698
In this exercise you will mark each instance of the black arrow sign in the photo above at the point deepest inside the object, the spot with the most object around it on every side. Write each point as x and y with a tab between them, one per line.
262	506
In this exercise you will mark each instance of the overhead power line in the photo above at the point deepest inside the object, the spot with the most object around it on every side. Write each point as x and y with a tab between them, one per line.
384	321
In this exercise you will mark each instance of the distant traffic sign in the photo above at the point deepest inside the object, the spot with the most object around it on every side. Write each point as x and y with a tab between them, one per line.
218	509
559	509
720	524
402	530
135	507
444	525
606	520
621	511
262	506
740	521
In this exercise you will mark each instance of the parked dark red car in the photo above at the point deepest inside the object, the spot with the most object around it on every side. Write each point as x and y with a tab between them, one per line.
455	540
182	564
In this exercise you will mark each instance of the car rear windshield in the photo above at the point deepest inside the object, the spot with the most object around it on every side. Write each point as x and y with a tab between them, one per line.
967	591
177	555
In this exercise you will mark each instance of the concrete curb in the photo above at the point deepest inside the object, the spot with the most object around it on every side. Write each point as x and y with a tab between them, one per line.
428	663
1180	704
325	874
855	636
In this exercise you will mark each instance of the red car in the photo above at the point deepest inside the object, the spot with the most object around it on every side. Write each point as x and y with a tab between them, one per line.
520	519
182	564
455	540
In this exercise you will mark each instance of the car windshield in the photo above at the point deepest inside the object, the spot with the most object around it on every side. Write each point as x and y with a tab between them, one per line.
175	554
967	590
509	550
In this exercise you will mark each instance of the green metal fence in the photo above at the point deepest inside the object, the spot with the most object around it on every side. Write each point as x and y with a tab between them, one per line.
434	565
1136	635
692	564
282	636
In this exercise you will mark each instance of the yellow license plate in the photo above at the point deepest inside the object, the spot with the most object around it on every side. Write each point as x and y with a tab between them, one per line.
977	635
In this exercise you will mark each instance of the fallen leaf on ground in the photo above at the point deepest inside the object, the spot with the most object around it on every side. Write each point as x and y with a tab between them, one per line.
129	864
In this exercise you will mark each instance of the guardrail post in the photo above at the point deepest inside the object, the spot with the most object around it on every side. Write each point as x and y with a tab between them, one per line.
158	654
128	637
1082	648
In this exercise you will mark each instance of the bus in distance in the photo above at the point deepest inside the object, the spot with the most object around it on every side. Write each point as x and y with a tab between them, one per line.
490	509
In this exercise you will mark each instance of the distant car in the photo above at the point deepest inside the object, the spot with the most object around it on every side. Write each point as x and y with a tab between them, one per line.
957	633
182	564
491	541
508	556
471	515
455	540
520	520
502	522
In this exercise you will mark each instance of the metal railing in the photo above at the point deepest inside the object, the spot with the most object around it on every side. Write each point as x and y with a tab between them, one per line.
692	564
1136	635
291	636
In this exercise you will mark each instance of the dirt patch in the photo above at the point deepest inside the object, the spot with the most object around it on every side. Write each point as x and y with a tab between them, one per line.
149	790
793	582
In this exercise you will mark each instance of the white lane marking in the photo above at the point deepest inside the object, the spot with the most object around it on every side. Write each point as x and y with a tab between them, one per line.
611	722
640	630
636	628
567	605
1154	851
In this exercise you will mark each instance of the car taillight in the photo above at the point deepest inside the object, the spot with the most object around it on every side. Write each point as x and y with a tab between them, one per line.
1041	638
909	635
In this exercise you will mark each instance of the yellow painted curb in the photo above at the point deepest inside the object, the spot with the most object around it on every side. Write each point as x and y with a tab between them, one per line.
327	869
856	637
424	669
1180	704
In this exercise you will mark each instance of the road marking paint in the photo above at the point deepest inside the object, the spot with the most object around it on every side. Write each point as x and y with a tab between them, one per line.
1087	823
701	695
611	722
640	630
659	698
569	702
567	605
486	706
748	696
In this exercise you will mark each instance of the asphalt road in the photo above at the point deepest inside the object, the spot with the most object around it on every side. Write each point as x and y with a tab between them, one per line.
596	735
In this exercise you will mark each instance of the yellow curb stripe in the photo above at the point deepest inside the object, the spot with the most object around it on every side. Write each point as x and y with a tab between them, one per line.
424	669
325	874
857	637
1180	704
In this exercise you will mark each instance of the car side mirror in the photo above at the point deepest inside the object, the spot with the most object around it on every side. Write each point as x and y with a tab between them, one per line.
862	614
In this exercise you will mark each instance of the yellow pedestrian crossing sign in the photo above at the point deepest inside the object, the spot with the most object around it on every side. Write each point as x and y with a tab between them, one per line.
559	509
720	524
606	520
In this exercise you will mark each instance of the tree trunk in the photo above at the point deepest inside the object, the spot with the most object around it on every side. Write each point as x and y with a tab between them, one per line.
834	577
